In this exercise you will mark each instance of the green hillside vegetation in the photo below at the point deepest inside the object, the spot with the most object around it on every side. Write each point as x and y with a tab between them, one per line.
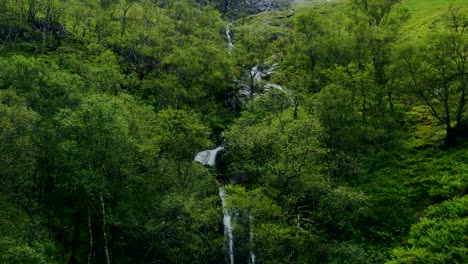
344	125
423	14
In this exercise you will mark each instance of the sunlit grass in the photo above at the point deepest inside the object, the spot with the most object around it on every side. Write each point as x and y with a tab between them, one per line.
423	13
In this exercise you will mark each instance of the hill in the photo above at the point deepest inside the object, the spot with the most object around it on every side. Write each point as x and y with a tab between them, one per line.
336	132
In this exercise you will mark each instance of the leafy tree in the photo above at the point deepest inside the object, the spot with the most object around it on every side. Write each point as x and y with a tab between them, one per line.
251	58
355	117
22	236
436	73
341	72
180	134
262	229
189	60
18	151
377	11
41	82
125	7
279	152
98	158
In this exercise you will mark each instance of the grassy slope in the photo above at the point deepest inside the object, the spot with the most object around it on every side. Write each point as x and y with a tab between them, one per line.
416	173
404	181
424	12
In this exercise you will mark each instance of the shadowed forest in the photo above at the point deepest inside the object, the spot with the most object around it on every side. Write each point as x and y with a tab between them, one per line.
341	127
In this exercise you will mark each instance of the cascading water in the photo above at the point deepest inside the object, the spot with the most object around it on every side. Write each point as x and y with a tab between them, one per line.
228	35
258	75
227	225
251	253
268	86
208	158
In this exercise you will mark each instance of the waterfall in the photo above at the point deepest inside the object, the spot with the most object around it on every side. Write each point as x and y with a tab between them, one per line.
227	225
208	157
228	35
251	253
258	74
274	86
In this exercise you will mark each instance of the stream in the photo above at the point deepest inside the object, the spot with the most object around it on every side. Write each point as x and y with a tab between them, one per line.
227	225
209	158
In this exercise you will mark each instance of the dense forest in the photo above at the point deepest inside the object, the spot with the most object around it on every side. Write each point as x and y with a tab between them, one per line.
340	129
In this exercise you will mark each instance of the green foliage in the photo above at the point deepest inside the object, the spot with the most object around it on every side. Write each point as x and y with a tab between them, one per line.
252	57
449	183
439	238
449	209
315	43
253	203
434	73
46	87
17	150
355	116
376	11
274	239
103	105
180	134
423	14
194	221
279	152
23	239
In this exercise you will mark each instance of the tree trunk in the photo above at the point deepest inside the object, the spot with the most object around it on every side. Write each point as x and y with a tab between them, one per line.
391	103
76	234
451	138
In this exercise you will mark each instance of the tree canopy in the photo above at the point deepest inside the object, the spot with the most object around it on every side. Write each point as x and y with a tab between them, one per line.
339	129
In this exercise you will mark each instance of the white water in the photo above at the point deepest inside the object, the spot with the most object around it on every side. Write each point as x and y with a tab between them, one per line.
257	74
228	35
252	253
274	86
228	225
208	157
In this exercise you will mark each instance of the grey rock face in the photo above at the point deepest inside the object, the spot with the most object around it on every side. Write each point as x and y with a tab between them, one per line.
235	8
208	157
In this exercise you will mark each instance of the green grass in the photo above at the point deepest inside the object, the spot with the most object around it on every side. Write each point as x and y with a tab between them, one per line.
324	7
415	173
281	21
411	176
423	13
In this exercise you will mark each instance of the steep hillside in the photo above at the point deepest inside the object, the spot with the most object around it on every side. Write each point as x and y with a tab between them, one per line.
187	131
423	14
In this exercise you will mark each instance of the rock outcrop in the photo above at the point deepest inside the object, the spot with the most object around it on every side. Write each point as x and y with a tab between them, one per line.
236	8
